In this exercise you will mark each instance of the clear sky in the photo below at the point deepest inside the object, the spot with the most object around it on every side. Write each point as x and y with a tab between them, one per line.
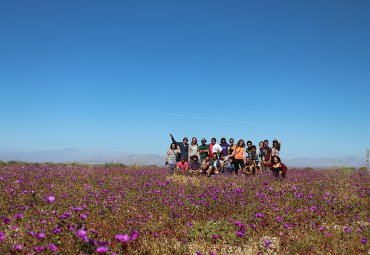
121	75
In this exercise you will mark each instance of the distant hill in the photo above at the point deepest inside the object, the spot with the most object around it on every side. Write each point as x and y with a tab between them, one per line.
99	157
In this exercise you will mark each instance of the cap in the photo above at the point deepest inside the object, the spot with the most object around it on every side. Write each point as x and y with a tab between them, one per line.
185	138
223	138
204	139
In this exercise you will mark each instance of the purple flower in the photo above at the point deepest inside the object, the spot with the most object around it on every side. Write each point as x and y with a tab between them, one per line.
102	249
40	236
252	225
313	208
237	223
321	228
364	240
57	231
50	199
123	238
259	215
267	243
240	234
17	247
81	233
134	235
2	236
83	216
52	247
278	218
286	226
347	230
6	221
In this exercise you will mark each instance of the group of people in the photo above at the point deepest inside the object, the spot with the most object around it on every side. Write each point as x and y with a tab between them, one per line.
216	158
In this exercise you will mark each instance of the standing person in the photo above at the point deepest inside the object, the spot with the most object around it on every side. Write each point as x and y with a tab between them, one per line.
231	149
193	148
239	155
203	149
214	165
275	148
214	148
224	145
184	147
277	167
260	154
171	157
194	165
267	154
182	166
249	148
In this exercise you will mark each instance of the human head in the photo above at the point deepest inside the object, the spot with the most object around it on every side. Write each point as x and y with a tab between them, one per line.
276	159
214	155
241	143
247	159
173	146
204	140
249	143
261	144
194	140
231	141
213	140
207	158
254	148
194	158
266	143
276	144
183	159
223	140
185	140
222	157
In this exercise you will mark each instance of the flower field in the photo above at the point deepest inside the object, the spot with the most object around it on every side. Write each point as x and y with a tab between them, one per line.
117	210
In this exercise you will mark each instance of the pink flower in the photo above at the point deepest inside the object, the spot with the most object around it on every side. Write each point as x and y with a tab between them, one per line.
123	238
52	247
50	199
81	233
313	208
17	247
102	249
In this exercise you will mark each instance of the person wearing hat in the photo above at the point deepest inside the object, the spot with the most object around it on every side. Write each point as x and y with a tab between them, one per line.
194	165
184	147
203	149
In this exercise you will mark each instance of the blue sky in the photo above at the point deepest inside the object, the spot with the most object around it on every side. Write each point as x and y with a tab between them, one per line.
121	75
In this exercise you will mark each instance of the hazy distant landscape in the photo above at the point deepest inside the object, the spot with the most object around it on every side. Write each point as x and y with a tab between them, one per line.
100	157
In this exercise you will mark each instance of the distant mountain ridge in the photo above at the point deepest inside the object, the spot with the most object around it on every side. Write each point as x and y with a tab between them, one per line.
100	157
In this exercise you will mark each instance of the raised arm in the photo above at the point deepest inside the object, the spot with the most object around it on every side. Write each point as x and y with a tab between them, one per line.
173	139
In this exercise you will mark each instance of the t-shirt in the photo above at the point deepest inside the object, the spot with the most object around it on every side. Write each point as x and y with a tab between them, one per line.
204	154
194	165
267	152
224	147
239	153
216	148
182	167
193	150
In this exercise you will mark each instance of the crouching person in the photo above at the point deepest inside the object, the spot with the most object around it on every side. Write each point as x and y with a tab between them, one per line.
214	165
249	167
277	167
194	166
182	166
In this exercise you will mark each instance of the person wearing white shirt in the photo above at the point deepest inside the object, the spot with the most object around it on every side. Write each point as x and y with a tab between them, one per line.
214	147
